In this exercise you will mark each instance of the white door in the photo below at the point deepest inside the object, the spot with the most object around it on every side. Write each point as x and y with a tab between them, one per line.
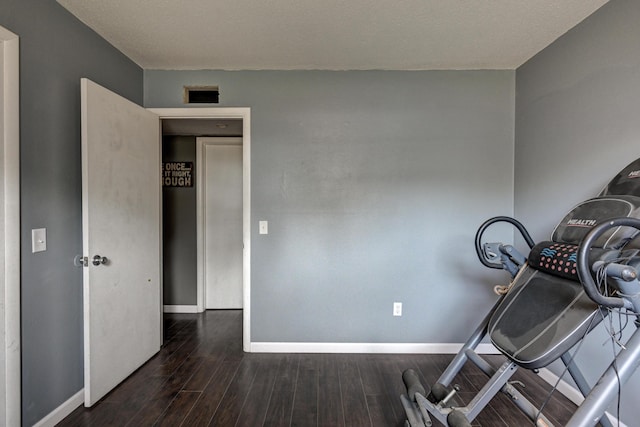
223	222
121	221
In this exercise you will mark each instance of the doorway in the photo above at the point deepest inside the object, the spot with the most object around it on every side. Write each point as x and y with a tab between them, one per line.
197	118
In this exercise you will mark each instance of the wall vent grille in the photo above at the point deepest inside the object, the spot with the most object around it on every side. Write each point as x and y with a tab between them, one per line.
201	95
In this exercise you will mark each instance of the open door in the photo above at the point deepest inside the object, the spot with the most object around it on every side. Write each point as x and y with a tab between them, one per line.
121	208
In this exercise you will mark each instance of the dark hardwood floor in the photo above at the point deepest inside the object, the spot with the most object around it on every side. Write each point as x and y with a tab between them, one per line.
201	377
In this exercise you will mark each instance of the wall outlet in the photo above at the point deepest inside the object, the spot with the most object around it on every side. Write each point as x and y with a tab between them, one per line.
397	309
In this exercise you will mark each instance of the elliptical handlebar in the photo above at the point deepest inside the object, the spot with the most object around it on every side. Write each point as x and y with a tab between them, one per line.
491	221
584	269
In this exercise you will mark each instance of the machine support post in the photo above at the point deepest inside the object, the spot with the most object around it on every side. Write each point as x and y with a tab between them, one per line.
461	358
620	370
490	389
581	382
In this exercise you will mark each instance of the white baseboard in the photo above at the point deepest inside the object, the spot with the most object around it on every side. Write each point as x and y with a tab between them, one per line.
384	348
62	411
181	309
572	393
564	387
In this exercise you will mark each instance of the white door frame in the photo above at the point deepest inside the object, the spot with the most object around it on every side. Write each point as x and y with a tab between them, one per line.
10	409
201	223
228	113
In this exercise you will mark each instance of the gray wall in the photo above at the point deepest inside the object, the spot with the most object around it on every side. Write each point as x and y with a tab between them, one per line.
56	50
179	227
373	184
577	125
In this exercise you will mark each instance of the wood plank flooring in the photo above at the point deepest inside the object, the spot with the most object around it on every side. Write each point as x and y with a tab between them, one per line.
201	377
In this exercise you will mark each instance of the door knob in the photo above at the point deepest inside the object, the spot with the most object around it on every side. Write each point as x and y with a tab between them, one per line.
97	260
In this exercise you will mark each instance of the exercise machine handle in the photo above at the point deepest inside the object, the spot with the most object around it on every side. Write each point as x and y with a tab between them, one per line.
617	271
478	241
584	271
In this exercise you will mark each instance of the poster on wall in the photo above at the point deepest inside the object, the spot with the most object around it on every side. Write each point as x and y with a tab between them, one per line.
177	174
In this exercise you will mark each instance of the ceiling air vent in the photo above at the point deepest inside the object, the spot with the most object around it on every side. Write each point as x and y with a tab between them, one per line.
201	95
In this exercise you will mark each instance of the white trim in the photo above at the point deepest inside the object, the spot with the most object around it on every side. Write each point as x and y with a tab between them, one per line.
10	348
564	387
614	420
231	113
62	411
181	309
381	348
572	393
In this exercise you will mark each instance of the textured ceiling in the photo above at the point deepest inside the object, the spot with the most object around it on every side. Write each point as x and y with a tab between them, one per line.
331	34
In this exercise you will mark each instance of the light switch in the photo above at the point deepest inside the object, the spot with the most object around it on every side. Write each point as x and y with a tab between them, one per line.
38	240
264	227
